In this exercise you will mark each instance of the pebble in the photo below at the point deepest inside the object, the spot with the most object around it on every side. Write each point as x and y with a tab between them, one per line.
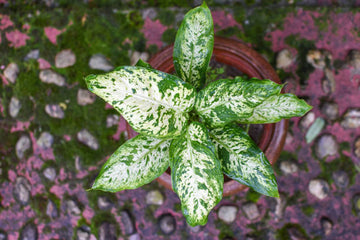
135	236
83	233
22	190
51	77
318	58
315	129
45	140
328	82
149	13
22	145
227	213
351	118
11	72
355	59
99	62
288	167
280	207
195	229
14	107
319	188
135	56
127	222
167	224
33	54
251	211
65	58
107	231
340	178
50	173
54	111
357	147
3	235
85	97
326	146
326	225
154	197
307	120
104	203
330	110
112	120
51	209
29	232
85	137
72	208
284	59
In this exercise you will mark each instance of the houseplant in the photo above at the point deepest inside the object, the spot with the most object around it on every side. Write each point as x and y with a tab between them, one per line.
190	125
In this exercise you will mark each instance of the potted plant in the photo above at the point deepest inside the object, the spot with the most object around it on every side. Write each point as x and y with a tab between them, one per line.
190	125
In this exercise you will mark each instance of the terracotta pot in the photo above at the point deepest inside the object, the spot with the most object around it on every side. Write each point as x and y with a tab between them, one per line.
236	54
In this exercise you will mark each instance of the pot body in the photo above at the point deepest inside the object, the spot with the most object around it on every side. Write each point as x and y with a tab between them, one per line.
238	55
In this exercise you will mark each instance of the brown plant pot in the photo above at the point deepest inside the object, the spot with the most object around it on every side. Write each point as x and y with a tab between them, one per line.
236	54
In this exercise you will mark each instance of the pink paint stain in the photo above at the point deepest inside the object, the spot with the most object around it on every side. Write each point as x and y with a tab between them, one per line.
16	38
5	22
153	31
4	80
108	106
67	137
51	33
224	20
46	154
121	128
20	126
88	214
26	26
43	64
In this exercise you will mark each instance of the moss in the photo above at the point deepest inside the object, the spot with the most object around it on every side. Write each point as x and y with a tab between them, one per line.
252	196
169	36
100	218
225	230
166	17
297	230
308	210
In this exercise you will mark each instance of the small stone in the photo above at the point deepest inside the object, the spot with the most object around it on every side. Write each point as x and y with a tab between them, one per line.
107	231
167	224
34	54
279	207
45	140
29	232
318	58
355	59
11	72
65	58
227	213
14	107
307	120
251	211
357	147
135	236
51	209
135	56
104	203
85	97
329	82
330	110
195	229
99	62
126	220
284	59
72	208
51	77
3	235
50	173
326	225
319	188
154	197
315	129
22	145
351	119
22	190
85	137
326	146
341	179
288	167
54	111
149	13
83	233
112	120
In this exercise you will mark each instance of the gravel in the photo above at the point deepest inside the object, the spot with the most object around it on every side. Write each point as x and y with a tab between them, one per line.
54	111
14	107
319	188
11	72
51	77
227	213
85	137
22	145
65	58
99	62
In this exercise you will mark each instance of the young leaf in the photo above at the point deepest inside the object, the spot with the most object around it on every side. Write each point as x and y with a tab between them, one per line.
243	161
135	163
194	44
278	107
196	173
229	100
153	102
142	63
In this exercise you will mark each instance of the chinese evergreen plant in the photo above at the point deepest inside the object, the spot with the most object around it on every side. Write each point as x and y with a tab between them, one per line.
190	126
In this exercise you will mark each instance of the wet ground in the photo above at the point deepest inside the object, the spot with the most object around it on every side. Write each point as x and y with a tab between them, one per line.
55	135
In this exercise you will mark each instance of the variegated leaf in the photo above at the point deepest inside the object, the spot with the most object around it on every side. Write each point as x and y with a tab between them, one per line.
196	173
194	44
229	100
243	161
135	163
278	107
153	102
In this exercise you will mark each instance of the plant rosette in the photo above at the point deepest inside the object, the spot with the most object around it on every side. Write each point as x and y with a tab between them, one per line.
190	125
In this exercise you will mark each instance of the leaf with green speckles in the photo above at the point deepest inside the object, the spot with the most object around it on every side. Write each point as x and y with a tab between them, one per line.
193	46
242	160
153	102
196	173
278	107
228	100
135	163
142	63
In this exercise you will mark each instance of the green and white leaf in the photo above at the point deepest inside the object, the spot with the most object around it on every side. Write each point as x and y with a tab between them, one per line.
137	162
228	100
243	161
153	102
196	173
276	108
194	44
